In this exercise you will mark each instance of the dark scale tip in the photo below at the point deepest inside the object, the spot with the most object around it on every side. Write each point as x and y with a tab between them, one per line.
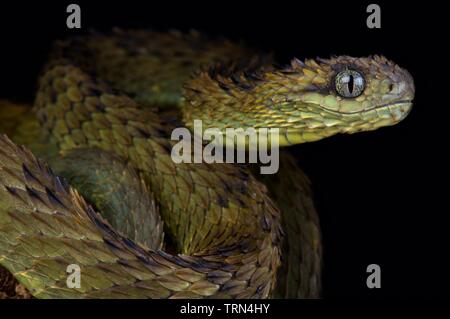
281	231
228	267
146	260
54	97
28	175
160	132
11	190
164	254
188	88
222	201
260	288
228	286
235	78
182	262
265	223
143	133
124	262
218	276
226	186
54	199
245	246
223	86
111	243
95	92
106	229
253	76
239	82
242	188
131	244
205	267
227	251
241	203
32	192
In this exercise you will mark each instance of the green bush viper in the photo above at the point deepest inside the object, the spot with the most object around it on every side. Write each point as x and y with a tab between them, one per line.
102	117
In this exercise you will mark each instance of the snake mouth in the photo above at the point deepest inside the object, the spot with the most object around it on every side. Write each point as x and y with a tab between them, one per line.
396	103
400	103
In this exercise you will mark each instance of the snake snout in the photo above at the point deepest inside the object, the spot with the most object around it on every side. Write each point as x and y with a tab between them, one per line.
403	91
403	85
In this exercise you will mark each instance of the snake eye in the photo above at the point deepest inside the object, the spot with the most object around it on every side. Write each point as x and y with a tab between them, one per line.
349	83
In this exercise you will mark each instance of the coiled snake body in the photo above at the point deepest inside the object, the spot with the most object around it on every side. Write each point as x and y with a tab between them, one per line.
228	233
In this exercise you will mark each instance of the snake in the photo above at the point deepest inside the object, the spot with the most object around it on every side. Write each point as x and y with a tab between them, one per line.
87	177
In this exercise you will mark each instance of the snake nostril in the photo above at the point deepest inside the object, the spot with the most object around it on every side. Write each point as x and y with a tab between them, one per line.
391	87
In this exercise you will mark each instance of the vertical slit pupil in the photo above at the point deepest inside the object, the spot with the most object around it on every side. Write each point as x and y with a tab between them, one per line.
350	84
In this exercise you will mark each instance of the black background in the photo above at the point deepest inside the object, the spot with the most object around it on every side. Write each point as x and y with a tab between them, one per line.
377	193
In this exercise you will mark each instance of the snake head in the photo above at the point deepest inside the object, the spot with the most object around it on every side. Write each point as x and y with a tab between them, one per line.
347	95
308	100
